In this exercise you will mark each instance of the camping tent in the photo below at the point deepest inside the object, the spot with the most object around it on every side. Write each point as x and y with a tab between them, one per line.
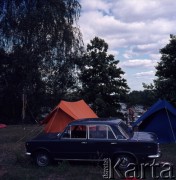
2	126
160	119
64	113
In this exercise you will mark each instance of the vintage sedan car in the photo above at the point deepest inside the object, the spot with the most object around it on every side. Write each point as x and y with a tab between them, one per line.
94	140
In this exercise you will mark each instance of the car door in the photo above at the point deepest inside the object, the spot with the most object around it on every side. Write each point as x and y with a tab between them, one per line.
103	142
72	144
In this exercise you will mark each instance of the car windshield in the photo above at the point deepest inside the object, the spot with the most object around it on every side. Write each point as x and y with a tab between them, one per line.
126	130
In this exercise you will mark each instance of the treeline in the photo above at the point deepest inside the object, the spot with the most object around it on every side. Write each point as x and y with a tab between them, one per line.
43	60
38	43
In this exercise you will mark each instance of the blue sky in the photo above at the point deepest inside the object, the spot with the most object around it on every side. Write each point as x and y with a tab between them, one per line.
135	31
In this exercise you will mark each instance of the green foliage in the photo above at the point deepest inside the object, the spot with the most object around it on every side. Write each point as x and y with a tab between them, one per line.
165	84
102	82
39	24
145	98
39	43
18	75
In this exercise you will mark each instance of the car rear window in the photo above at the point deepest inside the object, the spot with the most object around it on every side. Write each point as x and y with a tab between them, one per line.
100	132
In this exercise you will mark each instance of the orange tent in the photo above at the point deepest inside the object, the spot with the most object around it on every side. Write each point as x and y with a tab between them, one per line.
64	113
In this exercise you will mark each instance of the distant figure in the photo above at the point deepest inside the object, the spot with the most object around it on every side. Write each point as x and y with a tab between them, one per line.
131	114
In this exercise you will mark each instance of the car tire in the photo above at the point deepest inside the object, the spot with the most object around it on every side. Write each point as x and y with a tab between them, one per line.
123	161
42	158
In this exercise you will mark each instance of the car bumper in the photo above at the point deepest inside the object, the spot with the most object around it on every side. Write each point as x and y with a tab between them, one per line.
155	155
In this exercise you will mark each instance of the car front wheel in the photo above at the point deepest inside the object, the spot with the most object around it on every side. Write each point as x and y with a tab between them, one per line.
42	158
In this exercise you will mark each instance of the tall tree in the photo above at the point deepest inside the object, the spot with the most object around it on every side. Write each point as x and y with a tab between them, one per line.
165	84
41	40
102	81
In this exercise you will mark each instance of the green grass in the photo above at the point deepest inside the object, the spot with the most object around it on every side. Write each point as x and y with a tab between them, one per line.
15	165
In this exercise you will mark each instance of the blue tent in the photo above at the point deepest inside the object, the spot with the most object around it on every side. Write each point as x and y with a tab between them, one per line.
160	119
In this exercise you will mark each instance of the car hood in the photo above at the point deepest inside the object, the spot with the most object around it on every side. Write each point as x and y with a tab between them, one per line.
144	136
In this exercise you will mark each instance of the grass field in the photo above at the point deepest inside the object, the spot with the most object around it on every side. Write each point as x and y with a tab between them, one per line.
14	165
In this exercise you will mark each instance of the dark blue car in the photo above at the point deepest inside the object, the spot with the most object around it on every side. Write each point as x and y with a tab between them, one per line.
94	140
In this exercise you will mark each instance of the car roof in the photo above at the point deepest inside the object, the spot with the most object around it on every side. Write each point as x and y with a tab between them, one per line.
86	121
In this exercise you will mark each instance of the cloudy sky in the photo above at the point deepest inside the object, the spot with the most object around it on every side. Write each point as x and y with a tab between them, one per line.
135	31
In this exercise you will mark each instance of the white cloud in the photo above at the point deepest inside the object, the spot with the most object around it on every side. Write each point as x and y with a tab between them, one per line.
146	47
134	30
147	74
129	54
138	63
134	10
122	34
156	56
95	5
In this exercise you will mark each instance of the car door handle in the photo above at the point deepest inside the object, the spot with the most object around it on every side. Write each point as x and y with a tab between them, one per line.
83	142
113	143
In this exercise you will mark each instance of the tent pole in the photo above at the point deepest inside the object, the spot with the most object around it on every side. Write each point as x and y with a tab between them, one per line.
170	125
24	101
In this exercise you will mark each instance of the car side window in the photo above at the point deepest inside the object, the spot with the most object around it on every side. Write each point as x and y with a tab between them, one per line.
100	132
78	131
75	131
97	132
